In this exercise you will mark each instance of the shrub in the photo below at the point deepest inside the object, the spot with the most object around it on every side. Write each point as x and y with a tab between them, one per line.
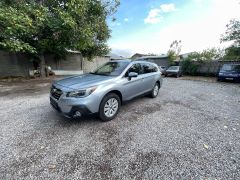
189	67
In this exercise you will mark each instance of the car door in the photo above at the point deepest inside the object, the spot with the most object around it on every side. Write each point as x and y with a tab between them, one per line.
132	87
148	76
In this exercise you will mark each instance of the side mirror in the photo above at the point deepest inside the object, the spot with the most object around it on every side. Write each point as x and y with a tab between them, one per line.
132	74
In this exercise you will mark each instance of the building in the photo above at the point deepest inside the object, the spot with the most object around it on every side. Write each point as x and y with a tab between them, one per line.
115	57
159	60
137	56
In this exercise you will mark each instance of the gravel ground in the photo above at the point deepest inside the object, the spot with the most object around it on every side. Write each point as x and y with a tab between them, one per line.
190	131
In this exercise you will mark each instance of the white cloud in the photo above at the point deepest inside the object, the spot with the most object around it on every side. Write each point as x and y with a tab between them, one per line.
167	7
126	19
197	34
154	15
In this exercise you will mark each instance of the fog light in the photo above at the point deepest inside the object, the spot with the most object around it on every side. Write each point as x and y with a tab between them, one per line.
77	114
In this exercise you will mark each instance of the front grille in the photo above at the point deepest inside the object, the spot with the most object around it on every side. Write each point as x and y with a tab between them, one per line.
56	93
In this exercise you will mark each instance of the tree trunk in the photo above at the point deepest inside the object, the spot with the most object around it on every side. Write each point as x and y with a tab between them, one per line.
42	66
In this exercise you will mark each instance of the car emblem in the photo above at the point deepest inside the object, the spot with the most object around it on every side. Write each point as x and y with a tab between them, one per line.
54	90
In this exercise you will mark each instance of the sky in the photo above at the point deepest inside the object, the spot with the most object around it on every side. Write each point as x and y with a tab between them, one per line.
150	26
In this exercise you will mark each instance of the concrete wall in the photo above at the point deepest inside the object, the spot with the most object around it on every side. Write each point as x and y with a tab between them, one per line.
211	67
72	62
93	64
13	64
19	65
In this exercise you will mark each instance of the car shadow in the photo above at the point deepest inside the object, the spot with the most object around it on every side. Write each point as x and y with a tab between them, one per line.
61	120
93	118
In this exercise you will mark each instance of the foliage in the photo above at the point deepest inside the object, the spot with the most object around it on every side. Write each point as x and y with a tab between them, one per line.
52	26
233	32
174	51
232	53
18	26
189	67
192	62
207	55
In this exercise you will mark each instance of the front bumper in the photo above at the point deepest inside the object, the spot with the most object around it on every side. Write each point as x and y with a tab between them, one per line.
81	109
171	73
229	78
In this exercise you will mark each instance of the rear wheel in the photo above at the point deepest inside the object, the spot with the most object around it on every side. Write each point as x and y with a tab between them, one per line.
155	90
109	107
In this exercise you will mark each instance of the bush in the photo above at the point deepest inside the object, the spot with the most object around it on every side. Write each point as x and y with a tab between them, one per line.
189	67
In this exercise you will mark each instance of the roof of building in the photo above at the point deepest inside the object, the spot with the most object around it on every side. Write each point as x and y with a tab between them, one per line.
72	51
129	61
139	54
115	56
154	57
124	60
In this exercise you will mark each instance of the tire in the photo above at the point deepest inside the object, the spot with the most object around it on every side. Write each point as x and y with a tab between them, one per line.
177	76
165	75
155	91
107	112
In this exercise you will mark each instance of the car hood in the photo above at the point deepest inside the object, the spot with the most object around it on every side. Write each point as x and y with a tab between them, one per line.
83	81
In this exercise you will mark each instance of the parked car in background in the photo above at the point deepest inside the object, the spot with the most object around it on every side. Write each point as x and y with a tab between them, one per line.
162	69
174	71
229	72
104	90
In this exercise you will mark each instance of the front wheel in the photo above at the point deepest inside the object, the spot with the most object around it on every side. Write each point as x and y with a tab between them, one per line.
155	90
109	107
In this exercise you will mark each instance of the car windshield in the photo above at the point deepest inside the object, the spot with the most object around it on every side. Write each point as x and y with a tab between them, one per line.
111	68
231	67
173	68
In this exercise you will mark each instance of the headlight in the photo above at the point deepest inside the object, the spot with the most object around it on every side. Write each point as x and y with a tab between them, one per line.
81	93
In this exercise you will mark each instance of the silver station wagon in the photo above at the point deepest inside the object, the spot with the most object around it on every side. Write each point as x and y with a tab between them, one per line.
104	90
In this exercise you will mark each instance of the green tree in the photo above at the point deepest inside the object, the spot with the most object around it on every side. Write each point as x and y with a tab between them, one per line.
174	51
207	55
211	54
232	53
189	67
38	27
232	34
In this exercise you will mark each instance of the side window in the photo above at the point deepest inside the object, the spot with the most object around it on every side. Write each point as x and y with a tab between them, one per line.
149	68
135	68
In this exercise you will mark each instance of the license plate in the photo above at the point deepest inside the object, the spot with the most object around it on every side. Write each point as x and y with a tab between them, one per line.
229	78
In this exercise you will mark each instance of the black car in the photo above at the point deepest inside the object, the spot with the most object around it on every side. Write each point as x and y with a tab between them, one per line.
162	69
229	72
174	71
